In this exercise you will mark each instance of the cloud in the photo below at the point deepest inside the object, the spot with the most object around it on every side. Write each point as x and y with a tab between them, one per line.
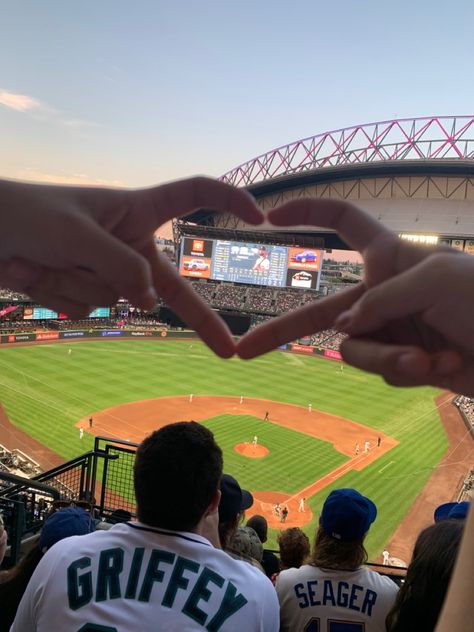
36	175
20	102
40	110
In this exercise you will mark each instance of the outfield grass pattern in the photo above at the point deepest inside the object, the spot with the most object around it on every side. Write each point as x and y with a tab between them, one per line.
46	391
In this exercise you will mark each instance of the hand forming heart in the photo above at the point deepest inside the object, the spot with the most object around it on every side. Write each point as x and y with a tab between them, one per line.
71	248
411	320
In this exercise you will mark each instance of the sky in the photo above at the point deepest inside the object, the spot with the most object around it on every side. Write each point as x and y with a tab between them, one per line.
131	94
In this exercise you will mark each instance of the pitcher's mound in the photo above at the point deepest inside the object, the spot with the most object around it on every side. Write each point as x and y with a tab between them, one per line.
252	451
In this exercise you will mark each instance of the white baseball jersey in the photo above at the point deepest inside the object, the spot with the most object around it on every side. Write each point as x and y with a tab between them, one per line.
320	600
135	577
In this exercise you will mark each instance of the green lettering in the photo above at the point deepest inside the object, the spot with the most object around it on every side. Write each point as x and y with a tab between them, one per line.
135	568
178	580
201	591
110	567
153	574
229	606
79	587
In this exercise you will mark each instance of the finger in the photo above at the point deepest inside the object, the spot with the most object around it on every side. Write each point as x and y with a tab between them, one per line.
405	294
304	321
18	274
180	296
185	196
61	304
112	261
401	365
357	228
80	286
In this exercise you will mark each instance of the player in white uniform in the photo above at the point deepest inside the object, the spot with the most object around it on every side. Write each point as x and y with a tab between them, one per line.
343	591
255	441
161	573
81	433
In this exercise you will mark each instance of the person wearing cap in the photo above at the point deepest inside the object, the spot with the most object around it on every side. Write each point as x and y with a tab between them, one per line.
420	599
452	511
161	572
233	503
269	561
58	526
334	585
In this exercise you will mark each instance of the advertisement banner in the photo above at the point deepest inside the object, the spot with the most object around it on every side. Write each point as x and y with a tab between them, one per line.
48	335
139	334
114	332
8	310
302	348
71	334
330	353
19	338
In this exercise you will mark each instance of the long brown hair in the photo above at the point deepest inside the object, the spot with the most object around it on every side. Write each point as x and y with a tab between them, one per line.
420	599
334	554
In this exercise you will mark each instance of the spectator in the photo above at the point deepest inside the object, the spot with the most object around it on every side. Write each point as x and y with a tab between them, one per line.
269	562
163	570
421	597
334	585
60	525
245	545
234	501
294	547
452	511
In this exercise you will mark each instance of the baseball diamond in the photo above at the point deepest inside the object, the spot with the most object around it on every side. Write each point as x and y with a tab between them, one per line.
130	387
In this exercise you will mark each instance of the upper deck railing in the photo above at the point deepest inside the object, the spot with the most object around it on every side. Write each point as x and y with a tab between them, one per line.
426	138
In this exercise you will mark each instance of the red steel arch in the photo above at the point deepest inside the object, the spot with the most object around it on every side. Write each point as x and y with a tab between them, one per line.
425	138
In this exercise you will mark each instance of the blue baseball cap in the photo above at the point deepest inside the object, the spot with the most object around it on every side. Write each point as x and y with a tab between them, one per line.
63	524
452	511
347	515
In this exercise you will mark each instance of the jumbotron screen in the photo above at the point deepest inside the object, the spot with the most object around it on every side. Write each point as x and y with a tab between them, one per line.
41	313
244	262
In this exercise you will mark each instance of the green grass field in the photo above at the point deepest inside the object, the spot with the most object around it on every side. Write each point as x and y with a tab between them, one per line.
46	391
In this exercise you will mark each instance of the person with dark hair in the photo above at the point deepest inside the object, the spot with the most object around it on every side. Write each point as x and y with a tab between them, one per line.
333	585
60	525
421	597
294	547
161	572
269	562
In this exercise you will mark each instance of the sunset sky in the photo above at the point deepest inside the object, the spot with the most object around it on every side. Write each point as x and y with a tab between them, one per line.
131	94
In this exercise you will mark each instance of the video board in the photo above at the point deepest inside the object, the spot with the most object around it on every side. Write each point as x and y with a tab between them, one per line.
245	262
41	313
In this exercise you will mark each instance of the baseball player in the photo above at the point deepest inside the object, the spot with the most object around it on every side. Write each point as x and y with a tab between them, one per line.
69	351
366	447
301	507
254	441
277	510
379	441
81	432
191	398
386	558
91	421
349	594
310	407
161	572
284	514
357	449
267	417
241	399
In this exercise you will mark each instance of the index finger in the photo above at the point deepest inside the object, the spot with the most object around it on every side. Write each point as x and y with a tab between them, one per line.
176	199
307	320
356	227
180	296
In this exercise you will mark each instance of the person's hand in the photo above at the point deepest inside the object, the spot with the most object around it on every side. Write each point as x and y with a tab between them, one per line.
72	248
411	320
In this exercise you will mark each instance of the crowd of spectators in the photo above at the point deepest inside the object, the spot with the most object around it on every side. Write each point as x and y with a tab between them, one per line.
327	339
466	406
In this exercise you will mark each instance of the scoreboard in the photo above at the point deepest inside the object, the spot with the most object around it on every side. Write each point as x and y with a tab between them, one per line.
41	313
245	262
